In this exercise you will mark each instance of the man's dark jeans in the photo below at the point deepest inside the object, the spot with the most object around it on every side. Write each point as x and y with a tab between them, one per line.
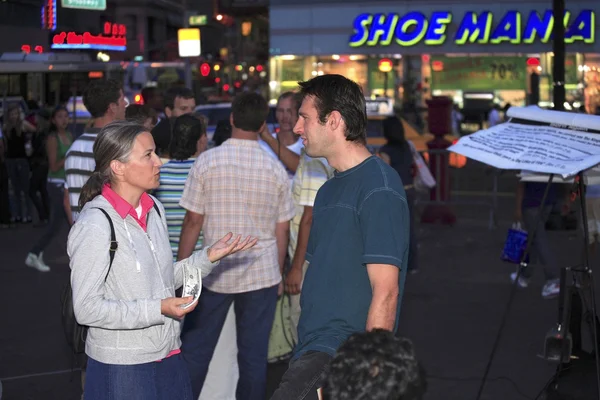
303	377
254	314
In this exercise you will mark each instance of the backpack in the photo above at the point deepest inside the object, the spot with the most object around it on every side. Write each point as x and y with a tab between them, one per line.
76	333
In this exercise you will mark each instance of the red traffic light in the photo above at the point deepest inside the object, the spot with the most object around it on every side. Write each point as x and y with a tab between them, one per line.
205	69
237	84
217	80
226	87
259	68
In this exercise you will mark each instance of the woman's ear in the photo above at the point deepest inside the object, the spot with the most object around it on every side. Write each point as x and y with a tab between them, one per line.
117	168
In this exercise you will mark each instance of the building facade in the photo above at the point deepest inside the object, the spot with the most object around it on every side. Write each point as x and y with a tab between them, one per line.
459	49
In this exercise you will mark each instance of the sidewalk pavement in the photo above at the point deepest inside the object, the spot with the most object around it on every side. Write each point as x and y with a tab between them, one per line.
451	310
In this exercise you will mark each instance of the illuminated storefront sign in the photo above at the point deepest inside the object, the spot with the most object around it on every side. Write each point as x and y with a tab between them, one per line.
49	15
413	28
113	39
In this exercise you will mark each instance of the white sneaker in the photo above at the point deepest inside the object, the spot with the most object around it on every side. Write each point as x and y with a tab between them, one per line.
551	289
523	282
36	262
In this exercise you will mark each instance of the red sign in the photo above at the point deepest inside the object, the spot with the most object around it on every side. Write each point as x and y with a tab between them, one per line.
113	38
26	48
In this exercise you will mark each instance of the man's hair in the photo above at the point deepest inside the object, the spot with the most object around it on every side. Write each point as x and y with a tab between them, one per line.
148	93
296	98
175	92
338	93
187	130
375	365
100	94
249	111
139	113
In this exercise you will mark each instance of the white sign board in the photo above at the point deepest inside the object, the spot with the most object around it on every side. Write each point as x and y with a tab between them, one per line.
189	42
550	148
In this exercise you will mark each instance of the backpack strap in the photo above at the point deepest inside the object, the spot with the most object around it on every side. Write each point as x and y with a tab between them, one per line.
157	210
114	245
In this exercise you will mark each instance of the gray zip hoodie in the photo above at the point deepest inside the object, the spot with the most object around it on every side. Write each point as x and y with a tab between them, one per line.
123	313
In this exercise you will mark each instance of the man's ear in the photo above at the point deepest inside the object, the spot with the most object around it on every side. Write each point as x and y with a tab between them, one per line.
334	120
168	112
112	107
231	119
117	167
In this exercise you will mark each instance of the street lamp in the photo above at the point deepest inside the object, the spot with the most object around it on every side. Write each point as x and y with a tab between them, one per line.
385	65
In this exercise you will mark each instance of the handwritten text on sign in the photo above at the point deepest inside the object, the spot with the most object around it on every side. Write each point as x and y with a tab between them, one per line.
543	149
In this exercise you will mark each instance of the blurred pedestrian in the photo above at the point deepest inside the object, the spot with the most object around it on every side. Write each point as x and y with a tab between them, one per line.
133	315
141	114
397	153
5	217
222	132
106	103
533	211
457	119
284	144
153	99
178	101
188	142
58	143
494	116
19	137
38	163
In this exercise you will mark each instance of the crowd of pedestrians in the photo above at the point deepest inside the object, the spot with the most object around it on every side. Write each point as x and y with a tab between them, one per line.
305	214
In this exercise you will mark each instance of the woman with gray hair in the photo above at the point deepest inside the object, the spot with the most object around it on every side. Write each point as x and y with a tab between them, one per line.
126	296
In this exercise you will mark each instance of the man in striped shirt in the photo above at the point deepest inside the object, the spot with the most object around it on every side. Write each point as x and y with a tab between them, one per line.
105	102
188	141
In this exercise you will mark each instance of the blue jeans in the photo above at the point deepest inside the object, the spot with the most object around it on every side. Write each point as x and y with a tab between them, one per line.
163	380
541	250
254	313
18	174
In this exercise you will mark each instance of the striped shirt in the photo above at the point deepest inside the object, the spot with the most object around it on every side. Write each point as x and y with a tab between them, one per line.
311	174
173	175
79	166
240	188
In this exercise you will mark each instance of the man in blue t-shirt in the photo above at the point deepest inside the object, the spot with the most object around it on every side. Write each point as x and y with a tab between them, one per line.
358	244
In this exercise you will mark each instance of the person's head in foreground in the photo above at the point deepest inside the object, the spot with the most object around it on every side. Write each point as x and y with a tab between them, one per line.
125	158
332	115
375	365
188	138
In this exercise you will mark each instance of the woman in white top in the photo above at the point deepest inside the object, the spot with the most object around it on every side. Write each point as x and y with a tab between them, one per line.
129	303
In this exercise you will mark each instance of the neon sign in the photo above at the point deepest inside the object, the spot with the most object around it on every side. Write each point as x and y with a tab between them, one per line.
26	48
49	15
113	38
413	28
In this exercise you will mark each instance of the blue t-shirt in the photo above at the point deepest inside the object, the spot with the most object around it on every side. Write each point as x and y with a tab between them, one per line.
360	217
